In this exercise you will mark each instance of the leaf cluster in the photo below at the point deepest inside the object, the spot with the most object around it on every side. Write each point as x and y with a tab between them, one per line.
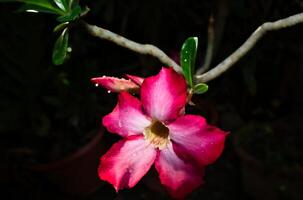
66	11
188	59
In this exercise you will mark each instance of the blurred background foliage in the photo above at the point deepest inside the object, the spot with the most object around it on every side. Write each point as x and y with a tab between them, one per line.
48	111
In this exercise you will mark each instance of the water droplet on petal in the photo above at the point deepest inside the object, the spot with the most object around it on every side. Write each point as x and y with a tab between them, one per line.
108	91
96	84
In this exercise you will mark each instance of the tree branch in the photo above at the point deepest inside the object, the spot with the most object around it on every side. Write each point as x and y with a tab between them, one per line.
248	45
211	74
134	46
210	47
215	32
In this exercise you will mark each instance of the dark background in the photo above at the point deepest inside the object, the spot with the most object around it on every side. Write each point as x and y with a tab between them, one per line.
47	112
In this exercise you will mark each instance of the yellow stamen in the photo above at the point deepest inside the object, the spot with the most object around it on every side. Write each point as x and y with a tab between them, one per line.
157	134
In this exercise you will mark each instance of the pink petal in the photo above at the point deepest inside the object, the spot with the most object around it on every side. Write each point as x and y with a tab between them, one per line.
179	177
127	162
197	139
116	84
164	95
136	79
127	117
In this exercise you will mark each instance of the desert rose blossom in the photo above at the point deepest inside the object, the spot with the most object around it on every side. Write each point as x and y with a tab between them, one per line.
156	131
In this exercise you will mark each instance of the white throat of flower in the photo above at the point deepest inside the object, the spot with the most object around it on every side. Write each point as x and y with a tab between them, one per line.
157	134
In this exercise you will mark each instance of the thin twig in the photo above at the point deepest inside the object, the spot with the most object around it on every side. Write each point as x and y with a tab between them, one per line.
215	33
248	45
213	73
134	46
210	47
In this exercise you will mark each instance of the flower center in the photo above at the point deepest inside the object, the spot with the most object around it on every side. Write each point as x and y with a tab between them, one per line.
157	134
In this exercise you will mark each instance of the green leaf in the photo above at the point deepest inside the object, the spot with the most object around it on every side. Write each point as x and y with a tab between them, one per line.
61	26
62	4
35	8
72	15
59	7
70	3
188	58
44	4
60	50
200	88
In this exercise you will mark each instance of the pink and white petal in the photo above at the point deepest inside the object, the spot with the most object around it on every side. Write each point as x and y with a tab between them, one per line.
116	84
164	95
136	79
127	162
197	140
127	117
179	177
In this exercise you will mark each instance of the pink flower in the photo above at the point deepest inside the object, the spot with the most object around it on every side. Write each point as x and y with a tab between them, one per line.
156	131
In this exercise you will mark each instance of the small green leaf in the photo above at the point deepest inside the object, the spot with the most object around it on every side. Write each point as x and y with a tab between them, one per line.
61	48
61	26
200	88
188	58
72	15
69	3
46	4
35	8
62	4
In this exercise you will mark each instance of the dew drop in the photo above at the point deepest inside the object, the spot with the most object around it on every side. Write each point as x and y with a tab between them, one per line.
185	60
96	84
108	91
